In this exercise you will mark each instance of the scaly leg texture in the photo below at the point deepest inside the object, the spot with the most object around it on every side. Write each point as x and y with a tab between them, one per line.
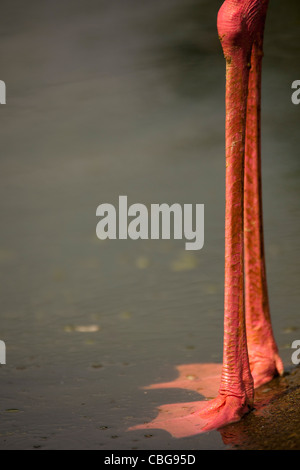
263	353
235	25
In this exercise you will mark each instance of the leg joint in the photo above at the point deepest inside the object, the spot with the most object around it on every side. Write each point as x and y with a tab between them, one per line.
238	24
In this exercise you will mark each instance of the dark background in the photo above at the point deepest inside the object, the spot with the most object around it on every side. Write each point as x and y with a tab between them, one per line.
126	97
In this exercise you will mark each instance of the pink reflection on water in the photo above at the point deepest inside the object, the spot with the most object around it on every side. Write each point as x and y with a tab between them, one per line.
182	419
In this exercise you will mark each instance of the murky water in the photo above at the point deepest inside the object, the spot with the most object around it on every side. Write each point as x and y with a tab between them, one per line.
105	99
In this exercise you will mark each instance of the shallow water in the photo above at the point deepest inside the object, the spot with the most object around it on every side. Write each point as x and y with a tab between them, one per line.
112	98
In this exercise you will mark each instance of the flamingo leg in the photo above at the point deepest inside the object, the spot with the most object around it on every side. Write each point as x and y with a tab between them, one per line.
240	26
236	388
263	353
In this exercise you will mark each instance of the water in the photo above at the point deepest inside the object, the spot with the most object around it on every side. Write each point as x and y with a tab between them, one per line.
112	98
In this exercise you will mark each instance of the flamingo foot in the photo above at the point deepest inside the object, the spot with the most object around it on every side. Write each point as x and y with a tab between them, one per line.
265	367
224	410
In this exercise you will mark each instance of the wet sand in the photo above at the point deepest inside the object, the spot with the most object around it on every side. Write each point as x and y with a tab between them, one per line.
275	422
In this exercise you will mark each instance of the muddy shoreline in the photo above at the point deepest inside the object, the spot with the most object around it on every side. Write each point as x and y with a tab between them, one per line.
275	422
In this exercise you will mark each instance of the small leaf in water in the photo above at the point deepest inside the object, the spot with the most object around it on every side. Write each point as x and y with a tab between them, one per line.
12	410
290	329
190	377
87	328
82	328
89	341
125	315
69	328
142	262
184	262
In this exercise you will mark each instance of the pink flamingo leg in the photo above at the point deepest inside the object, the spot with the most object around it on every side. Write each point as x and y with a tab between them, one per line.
238	24
263	353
